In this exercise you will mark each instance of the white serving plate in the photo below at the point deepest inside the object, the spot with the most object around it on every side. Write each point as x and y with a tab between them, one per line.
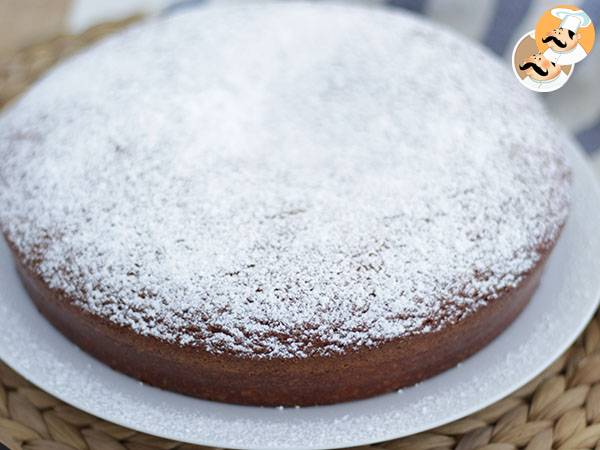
561	308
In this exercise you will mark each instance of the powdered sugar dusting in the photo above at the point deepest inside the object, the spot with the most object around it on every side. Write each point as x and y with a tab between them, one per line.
281	180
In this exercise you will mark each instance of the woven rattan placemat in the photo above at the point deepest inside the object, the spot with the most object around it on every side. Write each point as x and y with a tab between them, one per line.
560	409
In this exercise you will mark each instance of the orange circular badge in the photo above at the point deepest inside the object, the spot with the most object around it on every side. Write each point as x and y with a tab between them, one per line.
565	35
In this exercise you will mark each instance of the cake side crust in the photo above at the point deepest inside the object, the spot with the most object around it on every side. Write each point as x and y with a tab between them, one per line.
316	380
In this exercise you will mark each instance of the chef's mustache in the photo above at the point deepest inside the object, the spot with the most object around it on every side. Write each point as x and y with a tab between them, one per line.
556	41
541	72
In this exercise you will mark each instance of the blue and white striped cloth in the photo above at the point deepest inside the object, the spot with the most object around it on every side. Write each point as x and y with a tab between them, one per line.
498	24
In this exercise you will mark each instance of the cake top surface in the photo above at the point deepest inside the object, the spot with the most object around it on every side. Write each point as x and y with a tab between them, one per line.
282	180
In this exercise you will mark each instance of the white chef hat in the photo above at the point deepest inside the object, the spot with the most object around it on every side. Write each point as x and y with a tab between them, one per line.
572	20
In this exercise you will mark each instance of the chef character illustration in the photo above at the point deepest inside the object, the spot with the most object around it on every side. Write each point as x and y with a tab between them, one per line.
563	42
543	75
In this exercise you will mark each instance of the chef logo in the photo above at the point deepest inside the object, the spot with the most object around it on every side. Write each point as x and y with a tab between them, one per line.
544	59
565	34
534	70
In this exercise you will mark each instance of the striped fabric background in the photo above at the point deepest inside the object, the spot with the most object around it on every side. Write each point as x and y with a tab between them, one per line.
498	24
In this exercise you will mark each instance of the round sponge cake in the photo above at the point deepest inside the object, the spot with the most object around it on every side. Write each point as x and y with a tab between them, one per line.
281	204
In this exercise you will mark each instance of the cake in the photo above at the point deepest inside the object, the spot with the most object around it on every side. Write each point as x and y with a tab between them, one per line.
281	204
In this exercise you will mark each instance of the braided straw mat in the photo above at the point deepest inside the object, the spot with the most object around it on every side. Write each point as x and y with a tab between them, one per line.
560	409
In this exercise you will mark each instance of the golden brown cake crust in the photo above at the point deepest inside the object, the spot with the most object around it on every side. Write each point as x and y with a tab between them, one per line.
272	382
